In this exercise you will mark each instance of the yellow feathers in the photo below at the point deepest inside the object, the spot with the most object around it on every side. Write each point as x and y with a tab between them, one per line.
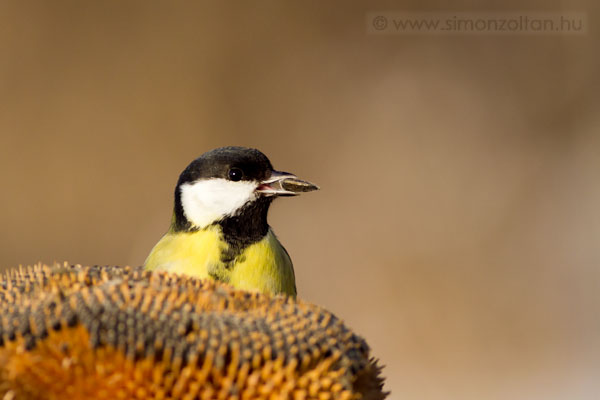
264	266
190	253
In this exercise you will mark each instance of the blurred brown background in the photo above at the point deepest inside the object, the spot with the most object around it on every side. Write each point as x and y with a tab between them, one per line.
458	223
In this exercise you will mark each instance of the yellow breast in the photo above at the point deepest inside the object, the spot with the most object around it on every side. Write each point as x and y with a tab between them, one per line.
264	266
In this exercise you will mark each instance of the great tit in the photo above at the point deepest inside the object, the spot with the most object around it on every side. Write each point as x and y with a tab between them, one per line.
219	228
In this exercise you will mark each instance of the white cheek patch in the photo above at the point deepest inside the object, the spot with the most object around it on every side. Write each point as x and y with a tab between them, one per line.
207	201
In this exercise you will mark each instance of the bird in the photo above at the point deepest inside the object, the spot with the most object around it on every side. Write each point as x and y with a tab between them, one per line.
219	227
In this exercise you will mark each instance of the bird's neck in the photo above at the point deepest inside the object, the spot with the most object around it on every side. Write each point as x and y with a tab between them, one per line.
246	226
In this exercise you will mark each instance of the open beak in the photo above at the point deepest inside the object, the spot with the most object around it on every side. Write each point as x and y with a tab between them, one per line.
284	184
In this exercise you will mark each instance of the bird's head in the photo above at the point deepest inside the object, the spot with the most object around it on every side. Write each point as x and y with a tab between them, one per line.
227	182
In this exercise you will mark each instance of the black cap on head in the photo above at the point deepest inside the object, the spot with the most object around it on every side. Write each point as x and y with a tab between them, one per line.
232	163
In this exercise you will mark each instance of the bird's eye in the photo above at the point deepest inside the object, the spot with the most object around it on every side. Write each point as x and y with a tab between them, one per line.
235	174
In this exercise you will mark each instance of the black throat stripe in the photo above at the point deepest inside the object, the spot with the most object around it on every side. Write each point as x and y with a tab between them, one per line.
247	226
